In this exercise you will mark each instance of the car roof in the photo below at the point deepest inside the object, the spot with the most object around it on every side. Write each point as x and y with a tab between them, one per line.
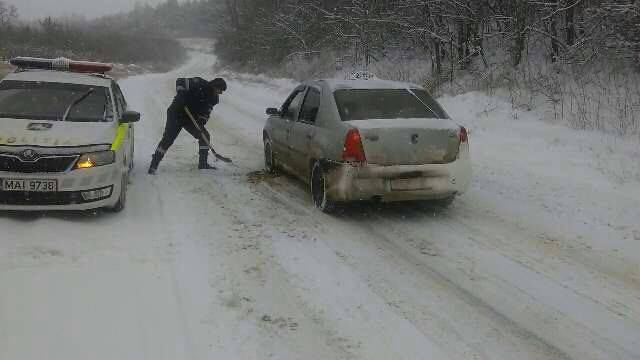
335	84
64	77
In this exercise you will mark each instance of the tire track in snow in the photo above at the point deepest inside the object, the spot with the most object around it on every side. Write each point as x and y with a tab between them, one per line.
479	330
539	303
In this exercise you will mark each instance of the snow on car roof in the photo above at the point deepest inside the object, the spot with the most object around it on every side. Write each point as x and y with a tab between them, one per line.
335	84
64	77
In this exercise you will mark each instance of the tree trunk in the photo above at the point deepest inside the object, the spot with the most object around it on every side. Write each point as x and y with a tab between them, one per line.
232	7
571	26
555	46
461	44
438	61
520	28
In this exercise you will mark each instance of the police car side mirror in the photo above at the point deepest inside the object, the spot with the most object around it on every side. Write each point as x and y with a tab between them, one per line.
130	117
273	111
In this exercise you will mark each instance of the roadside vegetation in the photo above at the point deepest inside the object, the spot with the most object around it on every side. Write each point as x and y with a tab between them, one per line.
578	58
127	41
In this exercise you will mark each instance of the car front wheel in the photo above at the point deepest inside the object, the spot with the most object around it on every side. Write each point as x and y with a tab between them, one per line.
131	156
444	203
439	204
269	158
319	185
122	199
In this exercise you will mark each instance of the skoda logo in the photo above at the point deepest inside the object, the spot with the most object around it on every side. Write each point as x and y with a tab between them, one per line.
29	155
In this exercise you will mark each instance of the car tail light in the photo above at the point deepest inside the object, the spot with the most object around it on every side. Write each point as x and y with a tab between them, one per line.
464	137
353	150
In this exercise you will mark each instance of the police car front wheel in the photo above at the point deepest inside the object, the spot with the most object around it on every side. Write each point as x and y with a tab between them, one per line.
122	199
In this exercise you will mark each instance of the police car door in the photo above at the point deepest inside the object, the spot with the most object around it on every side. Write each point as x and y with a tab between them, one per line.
126	130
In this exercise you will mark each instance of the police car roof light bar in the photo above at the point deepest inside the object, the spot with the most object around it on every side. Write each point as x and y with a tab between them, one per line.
62	64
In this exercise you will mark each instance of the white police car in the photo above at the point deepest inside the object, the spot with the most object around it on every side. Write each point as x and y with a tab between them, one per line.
66	137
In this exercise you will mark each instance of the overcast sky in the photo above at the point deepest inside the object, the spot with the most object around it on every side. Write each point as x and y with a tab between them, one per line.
30	9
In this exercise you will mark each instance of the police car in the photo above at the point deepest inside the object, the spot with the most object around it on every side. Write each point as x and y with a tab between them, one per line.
66	137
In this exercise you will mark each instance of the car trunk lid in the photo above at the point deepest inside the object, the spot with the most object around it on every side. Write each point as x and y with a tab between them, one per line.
408	141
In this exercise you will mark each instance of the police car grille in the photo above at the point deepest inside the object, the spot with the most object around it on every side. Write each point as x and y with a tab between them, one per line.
55	164
53	198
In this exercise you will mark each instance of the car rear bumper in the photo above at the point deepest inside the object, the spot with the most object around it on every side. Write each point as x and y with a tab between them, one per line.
71	186
399	182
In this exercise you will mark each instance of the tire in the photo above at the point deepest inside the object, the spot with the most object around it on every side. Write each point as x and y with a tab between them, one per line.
122	200
319	194
133	151
443	203
269	158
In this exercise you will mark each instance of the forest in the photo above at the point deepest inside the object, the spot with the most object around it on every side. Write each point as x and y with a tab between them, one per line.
578	57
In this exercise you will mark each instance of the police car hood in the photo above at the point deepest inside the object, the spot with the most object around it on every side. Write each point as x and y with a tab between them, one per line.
22	132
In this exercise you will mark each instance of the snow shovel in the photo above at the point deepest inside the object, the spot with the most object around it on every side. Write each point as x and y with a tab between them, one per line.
195	123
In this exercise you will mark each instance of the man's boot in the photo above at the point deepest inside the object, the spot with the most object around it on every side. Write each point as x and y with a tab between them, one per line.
155	161
203	163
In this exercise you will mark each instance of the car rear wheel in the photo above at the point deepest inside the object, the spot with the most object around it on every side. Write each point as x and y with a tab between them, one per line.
319	186
437	204
446	202
269	158
122	199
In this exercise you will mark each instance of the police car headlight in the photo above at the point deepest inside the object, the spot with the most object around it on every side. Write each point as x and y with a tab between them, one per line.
95	159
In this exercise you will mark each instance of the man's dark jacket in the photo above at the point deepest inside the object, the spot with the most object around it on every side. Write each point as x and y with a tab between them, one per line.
197	95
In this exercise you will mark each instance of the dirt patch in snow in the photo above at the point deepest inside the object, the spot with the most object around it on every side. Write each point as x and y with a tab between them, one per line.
256	177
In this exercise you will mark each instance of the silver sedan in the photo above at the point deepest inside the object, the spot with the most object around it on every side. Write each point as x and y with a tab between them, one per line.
368	140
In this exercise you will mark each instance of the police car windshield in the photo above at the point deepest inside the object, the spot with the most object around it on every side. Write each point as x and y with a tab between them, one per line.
48	101
368	104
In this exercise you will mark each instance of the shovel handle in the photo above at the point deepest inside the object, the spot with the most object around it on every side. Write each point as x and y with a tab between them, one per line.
195	123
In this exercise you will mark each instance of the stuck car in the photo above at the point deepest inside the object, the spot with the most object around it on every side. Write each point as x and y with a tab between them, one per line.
66	137
368	140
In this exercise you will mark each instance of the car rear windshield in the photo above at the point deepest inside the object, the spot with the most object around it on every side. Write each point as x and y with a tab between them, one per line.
366	104
49	101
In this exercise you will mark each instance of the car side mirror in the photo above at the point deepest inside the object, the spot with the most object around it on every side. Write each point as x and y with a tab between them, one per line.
130	117
273	111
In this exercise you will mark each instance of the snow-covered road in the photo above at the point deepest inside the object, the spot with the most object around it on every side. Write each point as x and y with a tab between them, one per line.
540	260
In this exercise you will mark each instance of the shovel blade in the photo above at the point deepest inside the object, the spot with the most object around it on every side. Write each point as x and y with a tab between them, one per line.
222	158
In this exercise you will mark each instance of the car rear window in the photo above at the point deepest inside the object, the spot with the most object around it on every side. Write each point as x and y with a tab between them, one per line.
49	101
369	104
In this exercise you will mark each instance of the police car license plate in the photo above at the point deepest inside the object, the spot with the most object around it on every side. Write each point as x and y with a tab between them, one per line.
29	185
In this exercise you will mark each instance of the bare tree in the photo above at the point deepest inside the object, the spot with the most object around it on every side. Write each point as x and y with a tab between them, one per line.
8	14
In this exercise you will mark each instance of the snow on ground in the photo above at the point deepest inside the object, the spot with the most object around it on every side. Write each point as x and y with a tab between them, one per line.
540	260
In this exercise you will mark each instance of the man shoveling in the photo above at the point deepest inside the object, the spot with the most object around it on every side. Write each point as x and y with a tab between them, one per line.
190	110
